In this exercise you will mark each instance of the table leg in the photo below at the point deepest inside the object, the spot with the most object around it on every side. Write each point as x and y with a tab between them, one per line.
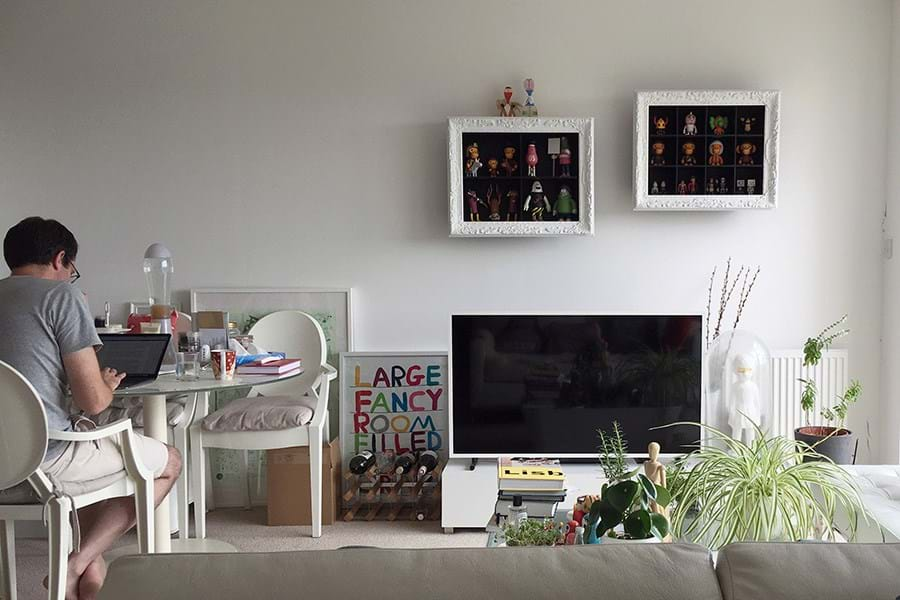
156	427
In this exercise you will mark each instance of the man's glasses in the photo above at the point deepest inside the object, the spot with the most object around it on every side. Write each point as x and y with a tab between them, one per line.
75	274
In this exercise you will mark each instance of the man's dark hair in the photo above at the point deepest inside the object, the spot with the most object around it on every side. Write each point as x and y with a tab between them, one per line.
35	241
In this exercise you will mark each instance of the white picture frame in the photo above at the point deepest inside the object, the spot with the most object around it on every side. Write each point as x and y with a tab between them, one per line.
582	178
764	138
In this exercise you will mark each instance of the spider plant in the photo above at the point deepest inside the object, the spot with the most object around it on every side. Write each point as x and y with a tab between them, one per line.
761	491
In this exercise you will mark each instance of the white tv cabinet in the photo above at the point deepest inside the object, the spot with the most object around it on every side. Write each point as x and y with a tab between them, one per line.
468	495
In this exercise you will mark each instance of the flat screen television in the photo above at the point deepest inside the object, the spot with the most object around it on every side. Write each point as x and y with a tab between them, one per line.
542	385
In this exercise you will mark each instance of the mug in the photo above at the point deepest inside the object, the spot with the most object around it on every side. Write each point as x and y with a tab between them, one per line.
223	362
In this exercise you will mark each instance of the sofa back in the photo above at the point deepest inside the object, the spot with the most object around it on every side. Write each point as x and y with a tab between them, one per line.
809	571
608	571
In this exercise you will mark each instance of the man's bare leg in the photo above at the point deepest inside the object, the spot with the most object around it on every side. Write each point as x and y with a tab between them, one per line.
105	522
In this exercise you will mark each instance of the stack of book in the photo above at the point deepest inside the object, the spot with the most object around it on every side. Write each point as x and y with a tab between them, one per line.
270	366
539	484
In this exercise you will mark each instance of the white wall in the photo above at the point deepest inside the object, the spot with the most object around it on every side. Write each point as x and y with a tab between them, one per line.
890	408
313	134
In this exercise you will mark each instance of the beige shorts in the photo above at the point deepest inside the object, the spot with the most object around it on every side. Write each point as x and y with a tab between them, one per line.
85	467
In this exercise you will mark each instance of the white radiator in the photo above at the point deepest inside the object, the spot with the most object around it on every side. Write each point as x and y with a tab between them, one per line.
831	376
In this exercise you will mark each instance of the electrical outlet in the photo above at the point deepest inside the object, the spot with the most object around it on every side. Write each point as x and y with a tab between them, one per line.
888	248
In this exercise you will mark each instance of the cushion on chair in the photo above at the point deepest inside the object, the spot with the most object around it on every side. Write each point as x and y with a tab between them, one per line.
262	413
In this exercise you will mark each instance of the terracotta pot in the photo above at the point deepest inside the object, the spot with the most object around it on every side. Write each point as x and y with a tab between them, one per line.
837	444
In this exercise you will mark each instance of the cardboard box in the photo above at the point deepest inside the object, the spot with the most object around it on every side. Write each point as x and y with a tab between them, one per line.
287	474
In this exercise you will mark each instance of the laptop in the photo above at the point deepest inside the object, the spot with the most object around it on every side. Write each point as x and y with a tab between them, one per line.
139	356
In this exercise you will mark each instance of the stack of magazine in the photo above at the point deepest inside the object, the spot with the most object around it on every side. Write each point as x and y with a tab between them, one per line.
538	484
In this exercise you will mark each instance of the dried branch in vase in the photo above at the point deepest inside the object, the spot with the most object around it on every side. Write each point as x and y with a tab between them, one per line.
728	287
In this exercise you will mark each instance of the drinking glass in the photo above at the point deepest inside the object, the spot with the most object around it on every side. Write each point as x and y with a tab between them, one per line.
187	366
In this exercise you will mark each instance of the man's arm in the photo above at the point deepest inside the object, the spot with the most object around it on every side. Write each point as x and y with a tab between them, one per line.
92	388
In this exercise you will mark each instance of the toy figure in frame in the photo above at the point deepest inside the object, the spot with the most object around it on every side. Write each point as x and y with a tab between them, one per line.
692	185
690	124
718	124
660	123
509	164
566	207
716	150
745	153
512	205
473	201
531	159
530	109
493	167
658	158
536	204
723	185
682	187
687	153
747	123
655	188
473	162
565	158
493	202
506	106
711	186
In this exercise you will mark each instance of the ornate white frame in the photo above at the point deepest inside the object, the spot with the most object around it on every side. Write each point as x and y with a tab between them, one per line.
584	127
770	99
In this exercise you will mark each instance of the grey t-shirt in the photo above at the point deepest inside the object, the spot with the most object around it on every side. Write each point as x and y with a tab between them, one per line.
40	322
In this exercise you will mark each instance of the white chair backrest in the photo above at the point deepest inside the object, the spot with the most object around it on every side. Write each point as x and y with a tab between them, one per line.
23	428
298	335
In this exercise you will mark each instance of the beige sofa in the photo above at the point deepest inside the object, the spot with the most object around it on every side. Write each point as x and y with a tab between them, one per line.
609	571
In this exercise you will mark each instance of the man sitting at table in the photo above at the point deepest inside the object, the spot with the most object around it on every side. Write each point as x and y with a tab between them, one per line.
48	335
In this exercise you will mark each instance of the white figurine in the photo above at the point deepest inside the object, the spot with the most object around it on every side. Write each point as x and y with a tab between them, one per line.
744	409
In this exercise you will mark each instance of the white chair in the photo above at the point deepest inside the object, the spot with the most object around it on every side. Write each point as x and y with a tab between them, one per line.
292	413
28	492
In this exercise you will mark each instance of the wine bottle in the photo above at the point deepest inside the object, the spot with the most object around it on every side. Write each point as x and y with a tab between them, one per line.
404	463
428	460
362	462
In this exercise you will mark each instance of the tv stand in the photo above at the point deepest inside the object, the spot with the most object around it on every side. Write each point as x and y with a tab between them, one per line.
473	464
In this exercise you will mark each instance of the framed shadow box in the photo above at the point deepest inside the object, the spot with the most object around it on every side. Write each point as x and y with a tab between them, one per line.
706	149
521	176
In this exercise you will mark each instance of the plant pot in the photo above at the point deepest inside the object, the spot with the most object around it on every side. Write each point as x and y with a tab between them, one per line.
837	444
621	540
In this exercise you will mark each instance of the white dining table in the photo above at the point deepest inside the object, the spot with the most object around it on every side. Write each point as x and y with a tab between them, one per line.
153	397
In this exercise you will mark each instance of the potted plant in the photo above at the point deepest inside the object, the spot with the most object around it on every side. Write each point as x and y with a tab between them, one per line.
832	439
531	533
765	490
625	509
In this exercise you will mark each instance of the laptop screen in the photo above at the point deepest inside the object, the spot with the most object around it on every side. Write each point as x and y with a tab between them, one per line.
138	355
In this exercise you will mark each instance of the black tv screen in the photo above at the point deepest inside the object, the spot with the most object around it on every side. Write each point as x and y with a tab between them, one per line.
542	385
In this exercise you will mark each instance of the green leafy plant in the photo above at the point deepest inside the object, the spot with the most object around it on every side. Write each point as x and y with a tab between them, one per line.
813	350
531	533
613	448
628	503
761	491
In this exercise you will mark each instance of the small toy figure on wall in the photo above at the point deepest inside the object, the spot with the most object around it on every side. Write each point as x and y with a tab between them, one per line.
566	207
747	123
658	159
690	124
565	158
473	202
536	203
530	109
512	205
692	185
493	167
682	187
718	124
745	153
473	163
751	186
509	164
506	106
654	189
493	202
716	150
660	123
711	186
687	154
723	185
531	159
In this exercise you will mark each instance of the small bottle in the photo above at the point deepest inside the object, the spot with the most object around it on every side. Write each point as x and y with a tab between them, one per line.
428	461
517	513
362	462
404	463
579	535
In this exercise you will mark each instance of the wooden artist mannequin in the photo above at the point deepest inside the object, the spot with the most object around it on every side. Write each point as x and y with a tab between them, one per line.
656	472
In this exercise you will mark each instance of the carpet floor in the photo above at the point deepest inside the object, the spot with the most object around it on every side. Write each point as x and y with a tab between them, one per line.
248	532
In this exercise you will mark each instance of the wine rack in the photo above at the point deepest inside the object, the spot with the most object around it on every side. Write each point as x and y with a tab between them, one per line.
375	495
